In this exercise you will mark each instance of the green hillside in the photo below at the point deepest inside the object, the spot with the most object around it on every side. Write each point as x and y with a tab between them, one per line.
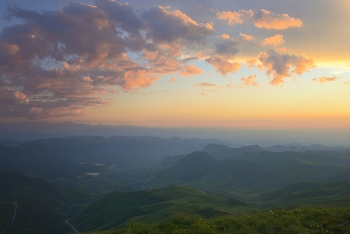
254	173
42	206
155	205
332	193
313	220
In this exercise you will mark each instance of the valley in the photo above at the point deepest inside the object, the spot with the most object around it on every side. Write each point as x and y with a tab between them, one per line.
99	183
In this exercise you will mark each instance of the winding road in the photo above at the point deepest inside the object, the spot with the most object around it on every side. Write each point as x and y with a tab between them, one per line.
13	218
71	226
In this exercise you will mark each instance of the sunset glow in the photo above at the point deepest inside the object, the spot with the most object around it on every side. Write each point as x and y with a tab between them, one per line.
231	64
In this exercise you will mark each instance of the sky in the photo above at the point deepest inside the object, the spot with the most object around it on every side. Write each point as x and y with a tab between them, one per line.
267	64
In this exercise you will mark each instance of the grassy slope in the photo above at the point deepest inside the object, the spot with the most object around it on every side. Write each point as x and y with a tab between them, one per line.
334	193
41	205
299	220
117	209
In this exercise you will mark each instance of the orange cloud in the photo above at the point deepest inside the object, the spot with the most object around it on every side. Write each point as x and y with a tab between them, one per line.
280	66
7	48
260	18
347	83
251	63
232	17
270	20
222	65
140	78
206	84
325	79
246	37
225	36
275	40
191	70
11	97
150	54
249	81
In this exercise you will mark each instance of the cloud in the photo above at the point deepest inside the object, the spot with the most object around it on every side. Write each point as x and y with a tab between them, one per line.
246	37
59	62
280	65
347	83
228	48
191	70
225	36
260	18
249	81
206	84
232	17
275	40
172	80
168	26
222	65
325	79
251	63
12	97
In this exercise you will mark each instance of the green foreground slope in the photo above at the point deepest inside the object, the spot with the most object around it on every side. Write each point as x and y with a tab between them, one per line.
155	205
299	220
331	193
42	206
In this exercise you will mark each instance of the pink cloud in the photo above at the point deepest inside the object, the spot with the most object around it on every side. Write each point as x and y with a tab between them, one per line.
206	84
12	97
222	65
168	26
275	40
280	65
225	36
246	37
325	79
190	70
249	81
251	63
260	18
61	62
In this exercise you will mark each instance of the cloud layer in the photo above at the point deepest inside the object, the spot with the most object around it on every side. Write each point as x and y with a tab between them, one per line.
60	62
260	18
63	62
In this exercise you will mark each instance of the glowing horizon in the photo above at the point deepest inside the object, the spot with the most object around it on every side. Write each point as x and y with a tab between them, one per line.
229	64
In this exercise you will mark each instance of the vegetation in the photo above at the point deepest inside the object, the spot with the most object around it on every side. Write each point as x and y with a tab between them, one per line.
297	220
42	206
107	183
117	209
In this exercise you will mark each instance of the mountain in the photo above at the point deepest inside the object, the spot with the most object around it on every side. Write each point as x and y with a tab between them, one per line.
189	168
301	148
276	158
222	151
61	159
42	206
255	172
170	160
230	174
11	143
157	205
285	168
